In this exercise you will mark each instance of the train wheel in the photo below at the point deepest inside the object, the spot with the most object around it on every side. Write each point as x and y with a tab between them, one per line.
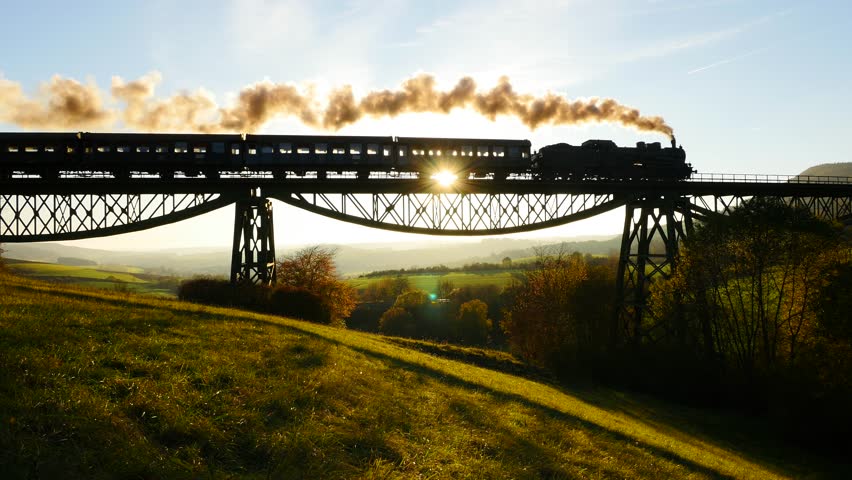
167	174
212	174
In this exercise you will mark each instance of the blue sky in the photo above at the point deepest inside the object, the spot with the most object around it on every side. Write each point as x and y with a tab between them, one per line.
749	86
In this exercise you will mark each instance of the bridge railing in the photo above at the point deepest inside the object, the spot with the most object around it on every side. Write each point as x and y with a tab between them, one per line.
761	178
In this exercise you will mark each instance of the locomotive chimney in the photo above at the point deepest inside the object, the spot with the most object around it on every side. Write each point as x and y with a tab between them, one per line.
674	142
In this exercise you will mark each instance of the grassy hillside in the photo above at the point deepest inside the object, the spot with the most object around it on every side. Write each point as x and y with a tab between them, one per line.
830	169
102	276
98	384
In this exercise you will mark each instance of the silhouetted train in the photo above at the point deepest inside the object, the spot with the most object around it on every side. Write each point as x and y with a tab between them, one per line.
165	155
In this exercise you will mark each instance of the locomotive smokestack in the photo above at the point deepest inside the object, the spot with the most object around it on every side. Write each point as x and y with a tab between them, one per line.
674	142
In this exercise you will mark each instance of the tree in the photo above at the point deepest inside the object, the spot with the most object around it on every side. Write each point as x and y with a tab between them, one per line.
748	286
313	269
544	324
397	321
445	288
472	324
507	262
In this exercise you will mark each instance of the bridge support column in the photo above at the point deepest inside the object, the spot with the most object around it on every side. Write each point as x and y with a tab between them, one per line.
253	254
653	229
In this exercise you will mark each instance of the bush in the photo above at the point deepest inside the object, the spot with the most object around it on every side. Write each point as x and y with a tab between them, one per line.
298	303
283	300
472	324
397	321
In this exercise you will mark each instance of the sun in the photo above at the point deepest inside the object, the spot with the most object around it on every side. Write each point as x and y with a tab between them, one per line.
444	178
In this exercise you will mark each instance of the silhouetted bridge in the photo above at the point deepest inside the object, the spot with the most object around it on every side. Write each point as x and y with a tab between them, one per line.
78	202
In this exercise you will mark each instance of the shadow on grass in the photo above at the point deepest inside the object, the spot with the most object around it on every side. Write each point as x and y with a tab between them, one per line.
706	432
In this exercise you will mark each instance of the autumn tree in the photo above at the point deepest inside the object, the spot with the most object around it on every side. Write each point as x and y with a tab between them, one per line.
472	323
386	289
747	285
313	269
544	324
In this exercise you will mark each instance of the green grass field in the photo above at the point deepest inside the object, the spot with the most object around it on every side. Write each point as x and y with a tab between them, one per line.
99	384
429	282
104	276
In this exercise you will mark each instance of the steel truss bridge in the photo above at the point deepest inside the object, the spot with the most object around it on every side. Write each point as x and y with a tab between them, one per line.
84	204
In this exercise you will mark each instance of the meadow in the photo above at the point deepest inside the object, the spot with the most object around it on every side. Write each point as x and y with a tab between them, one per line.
102	384
114	277
428	282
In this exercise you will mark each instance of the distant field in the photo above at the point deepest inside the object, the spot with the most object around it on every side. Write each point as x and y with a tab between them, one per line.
429	282
109	277
99	384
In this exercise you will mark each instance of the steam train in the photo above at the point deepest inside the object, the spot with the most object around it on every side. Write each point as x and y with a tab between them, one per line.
193	155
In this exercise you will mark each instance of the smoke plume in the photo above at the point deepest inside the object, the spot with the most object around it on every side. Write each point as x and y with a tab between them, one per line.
61	104
67	104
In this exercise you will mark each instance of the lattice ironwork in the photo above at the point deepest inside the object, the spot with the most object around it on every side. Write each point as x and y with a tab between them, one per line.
836	207
36	218
653	229
253	254
456	213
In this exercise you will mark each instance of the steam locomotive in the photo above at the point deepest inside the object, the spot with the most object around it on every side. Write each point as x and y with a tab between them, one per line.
193	155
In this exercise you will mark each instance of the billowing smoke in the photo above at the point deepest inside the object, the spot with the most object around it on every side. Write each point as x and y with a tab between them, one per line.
68	104
61	104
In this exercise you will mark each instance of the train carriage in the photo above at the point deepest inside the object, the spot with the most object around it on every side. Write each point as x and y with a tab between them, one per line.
43	154
161	154
320	154
464	156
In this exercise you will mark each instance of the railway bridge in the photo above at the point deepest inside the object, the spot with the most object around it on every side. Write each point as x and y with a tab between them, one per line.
79	202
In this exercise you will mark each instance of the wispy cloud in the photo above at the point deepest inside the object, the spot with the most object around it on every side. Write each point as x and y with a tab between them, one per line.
726	61
700	40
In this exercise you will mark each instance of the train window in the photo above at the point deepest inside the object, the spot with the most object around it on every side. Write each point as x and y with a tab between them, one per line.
355	148
103	149
285	148
303	150
235	149
12	149
69	149
122	149
142	149
161	149
252	150
321	148
181	147
218	147
499	151
402	149
372	149
467	151
454	153
31	149
514	152
267	149
525	154
199	149
386	150
338	150
49	149
481	151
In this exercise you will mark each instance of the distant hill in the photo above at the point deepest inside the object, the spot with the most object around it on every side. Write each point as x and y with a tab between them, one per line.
351	259
830	170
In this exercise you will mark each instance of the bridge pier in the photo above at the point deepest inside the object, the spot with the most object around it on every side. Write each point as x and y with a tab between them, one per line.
653	228
253	253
